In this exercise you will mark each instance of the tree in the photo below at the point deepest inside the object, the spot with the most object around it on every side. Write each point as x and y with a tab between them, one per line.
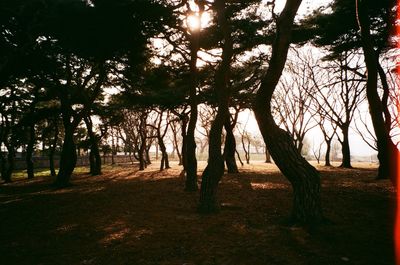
230	142
387	151
160	134
94	155
341	30
304	178
215	167
338	99
292	99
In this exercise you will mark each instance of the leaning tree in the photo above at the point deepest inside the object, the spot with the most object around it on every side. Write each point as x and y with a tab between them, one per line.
304	178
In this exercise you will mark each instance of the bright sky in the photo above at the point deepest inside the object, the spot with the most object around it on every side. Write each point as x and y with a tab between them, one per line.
358	146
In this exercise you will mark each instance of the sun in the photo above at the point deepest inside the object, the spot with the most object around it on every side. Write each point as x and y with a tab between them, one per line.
193	22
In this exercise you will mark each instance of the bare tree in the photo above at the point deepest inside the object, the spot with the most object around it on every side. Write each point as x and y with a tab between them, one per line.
206	116
175	139
245	138
338	99
292	98
316	150
160	127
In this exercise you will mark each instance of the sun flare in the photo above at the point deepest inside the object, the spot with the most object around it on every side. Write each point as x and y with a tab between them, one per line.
193	22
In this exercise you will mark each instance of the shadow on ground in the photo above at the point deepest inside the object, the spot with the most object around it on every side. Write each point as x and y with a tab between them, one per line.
130	217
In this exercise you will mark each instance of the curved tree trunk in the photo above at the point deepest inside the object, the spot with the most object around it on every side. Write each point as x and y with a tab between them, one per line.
304	178
164	154
246	150
29	152
387	152
230	148
215	167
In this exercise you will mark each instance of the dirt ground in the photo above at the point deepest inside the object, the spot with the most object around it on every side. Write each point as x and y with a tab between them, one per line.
130	217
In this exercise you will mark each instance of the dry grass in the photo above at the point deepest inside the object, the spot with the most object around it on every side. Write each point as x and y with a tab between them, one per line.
130	217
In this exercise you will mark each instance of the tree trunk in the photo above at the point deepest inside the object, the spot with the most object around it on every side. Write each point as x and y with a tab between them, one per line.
112	147
164	155
142	146
215	167
304	178
230	148
94	155
191	161
175	142
68	158
147	154
328	153
8	164
246	151
267	156
387	152
52	150
3	166
240	160
29	152
184	143
385	95
346	158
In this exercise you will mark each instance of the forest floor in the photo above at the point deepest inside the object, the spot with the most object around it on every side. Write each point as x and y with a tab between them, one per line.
126	216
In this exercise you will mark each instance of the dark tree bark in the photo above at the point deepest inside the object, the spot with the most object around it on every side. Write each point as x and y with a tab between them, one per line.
164	163
52	149
112	147
346	158
10	163
184	142
29	152
387	152
72	118
190	152
3	165
8	166
68	156
215	166
304	178
142	139
328	152
385	96
94	155
246	149
267	156
240	160
147	153
164	156
175	141
230	148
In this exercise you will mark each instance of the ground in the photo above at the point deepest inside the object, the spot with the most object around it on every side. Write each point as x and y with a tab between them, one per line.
128	216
